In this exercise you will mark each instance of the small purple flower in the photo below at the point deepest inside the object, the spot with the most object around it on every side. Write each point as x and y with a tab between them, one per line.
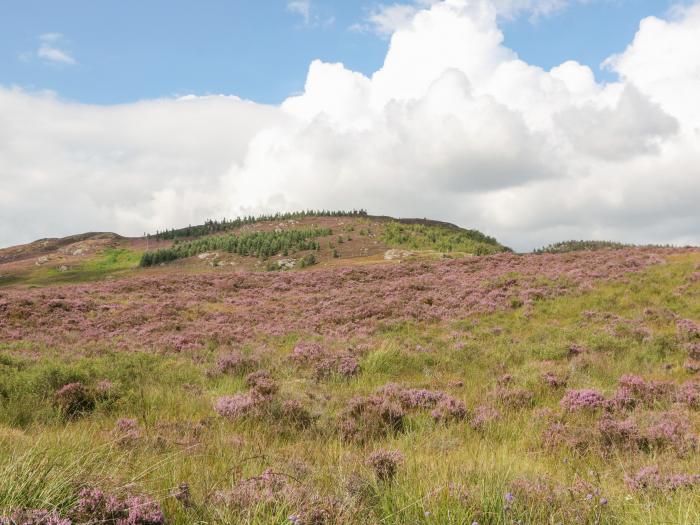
509	498
603	501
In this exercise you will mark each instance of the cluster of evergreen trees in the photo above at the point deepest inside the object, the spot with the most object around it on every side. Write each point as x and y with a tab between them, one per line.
259	244
420	236
213	226
578	246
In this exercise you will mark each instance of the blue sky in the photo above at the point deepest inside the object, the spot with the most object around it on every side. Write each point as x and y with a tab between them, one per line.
131	50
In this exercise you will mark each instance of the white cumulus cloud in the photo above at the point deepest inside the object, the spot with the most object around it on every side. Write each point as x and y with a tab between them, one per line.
453	126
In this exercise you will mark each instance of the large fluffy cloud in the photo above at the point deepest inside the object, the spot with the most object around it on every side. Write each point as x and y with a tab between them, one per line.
453	126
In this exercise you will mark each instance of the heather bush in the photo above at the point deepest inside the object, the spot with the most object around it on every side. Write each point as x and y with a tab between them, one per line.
74	400
95	506
449	409
34	517
371	417
585	399
235	363
687	330
652	479
483	416
385	463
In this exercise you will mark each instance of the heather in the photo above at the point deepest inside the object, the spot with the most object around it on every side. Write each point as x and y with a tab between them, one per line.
500	389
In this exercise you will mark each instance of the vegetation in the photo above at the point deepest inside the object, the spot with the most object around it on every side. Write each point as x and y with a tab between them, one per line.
466	415
215	226
258	244
577	246
439	238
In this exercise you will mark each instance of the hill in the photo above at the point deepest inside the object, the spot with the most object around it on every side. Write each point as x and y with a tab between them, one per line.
276	242
406	380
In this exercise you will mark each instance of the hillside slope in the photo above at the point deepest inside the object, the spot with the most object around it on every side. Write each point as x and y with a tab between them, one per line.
423	389
333	238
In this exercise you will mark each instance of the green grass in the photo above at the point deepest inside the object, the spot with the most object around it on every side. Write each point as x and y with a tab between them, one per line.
453	474
112	261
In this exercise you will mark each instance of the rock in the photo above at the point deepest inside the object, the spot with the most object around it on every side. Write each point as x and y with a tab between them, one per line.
79	251
207	255
391	255
287	264
63	268
42	260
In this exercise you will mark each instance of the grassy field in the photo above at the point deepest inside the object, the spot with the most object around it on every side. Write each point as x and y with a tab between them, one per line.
146	422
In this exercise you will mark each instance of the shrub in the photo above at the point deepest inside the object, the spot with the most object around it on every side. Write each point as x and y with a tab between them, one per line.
385	464
74	400
586	399
95	506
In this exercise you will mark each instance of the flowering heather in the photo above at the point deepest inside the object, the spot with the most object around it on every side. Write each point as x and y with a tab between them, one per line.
622	433
687	330
236	363
126	430
553	380
371	417
449	409
95	506
484	415
385	463
323	361
513	397
269	487
693	350
651	478
671	430
237	406
74	399
411	398
143	311
634	391
689	394
261	383
692	366
586	399
296	414
34	517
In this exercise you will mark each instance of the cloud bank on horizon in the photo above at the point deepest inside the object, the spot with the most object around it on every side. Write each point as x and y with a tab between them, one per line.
454	126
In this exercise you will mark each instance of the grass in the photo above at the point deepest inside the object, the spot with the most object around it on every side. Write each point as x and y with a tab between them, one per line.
109	262
453	474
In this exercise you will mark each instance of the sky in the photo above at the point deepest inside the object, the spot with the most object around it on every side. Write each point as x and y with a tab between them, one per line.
532	120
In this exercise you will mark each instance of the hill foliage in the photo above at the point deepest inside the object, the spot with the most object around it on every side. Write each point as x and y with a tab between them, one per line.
258	244
212	226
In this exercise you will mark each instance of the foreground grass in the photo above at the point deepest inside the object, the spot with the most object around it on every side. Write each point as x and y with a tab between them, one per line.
453	474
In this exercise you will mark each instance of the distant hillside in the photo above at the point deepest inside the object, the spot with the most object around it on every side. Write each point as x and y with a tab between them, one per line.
579	246
279	242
